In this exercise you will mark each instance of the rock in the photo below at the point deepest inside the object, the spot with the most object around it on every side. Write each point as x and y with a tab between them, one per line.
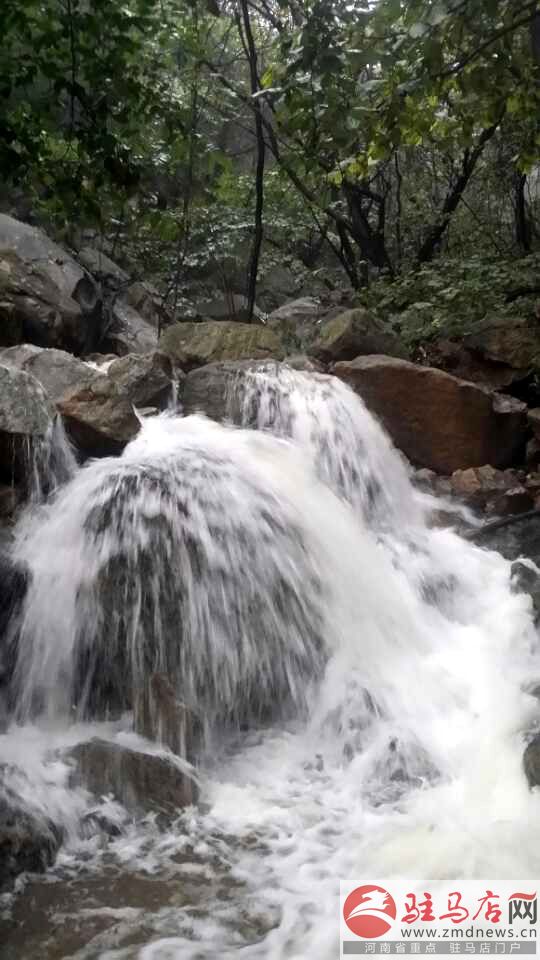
101	266
526	579
143	783
45	295
209	389
25	416
438	421
353	334
300	361
297	323
99	416
28	841
276	287
128	331
513	537
513	342
232	308
158	715
533	419
56	370
13	584
196	344
466	364
531	761
149	304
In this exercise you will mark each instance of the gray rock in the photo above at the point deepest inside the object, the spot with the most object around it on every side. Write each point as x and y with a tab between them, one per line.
141	782
353	334
149	304
196	344
28	841
101	266
128	331
210	389
297	323
99	415
46	297
56	370
25	416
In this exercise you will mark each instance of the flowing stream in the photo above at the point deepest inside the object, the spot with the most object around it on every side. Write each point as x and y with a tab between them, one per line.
359	672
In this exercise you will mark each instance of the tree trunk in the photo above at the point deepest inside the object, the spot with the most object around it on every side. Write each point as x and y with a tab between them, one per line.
453	197
261	157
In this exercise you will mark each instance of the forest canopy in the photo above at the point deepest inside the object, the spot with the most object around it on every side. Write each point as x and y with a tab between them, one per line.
373	136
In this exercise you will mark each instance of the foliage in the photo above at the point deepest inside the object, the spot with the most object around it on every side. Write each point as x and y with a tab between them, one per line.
453	297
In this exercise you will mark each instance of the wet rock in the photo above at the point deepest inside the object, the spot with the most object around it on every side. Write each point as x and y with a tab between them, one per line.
195	344
46	297
25	416
13	584
353	334
531	761
513	537
141	782
210	389
526	579
57	371
158	715
100	416
300	361
497	492
438	421
29	842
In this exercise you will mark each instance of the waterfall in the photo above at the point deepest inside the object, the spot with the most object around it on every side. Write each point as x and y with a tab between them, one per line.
361	674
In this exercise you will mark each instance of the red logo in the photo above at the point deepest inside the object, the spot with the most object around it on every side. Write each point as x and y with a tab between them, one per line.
369	911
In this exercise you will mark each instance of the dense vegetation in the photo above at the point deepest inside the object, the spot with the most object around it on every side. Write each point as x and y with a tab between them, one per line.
356	138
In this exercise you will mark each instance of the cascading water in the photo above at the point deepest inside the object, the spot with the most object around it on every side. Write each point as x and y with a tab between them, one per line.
291	585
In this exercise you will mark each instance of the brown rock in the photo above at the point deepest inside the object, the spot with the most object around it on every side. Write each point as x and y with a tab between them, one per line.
100	416
142	782
438	421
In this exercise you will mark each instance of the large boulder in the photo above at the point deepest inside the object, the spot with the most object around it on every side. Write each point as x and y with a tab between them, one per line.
437	420
510	344
57	371
28	841
196	344
128	331
46	297
25	416
210	389
142	782
297	323
352	334
102	267
100	414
